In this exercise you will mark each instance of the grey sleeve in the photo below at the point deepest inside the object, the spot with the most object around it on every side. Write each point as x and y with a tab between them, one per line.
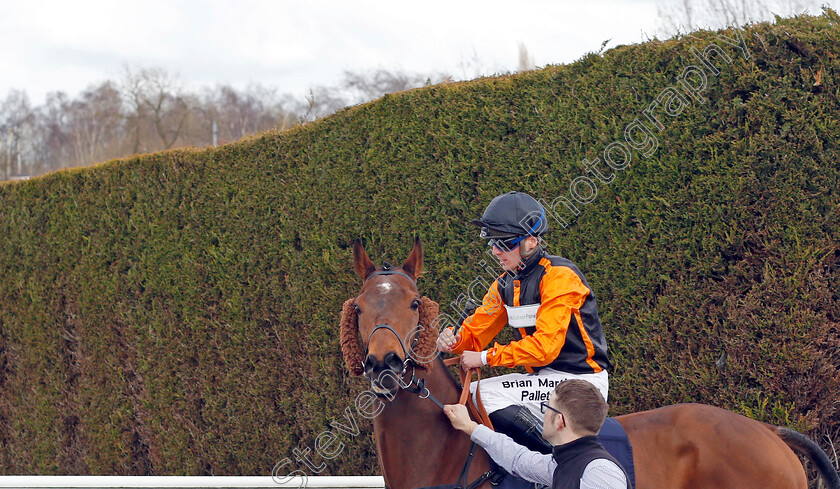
516	459
603	474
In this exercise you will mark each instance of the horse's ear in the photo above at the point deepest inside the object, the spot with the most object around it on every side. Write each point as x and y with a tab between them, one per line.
414	263
361	261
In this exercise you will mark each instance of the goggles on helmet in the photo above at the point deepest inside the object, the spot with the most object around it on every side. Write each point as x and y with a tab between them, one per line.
505	244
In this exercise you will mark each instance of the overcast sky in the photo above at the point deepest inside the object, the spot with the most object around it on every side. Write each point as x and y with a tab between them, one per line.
293	45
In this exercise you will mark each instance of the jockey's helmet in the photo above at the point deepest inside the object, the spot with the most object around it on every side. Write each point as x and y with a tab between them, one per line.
512	214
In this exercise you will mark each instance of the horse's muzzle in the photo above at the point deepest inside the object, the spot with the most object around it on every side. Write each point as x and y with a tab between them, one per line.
385	374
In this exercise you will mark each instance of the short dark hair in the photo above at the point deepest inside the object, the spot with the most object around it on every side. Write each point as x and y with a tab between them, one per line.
582	405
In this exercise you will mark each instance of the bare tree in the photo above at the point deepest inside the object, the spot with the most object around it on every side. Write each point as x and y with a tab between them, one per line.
224	114
373	84
131	88
52	124
252	110
474	67
16	124
155	102
94	125
359	87
677	16
147	110
321	101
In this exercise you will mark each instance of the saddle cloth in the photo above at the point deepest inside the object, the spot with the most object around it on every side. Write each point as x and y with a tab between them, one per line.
612	437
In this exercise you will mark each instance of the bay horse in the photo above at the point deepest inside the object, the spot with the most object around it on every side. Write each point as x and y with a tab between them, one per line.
674	447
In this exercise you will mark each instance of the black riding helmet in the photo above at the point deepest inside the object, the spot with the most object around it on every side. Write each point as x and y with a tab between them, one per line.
512	214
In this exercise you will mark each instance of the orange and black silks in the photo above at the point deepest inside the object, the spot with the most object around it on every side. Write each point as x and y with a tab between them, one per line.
555	319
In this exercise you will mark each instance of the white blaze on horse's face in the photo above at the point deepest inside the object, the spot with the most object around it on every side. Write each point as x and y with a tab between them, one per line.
384	288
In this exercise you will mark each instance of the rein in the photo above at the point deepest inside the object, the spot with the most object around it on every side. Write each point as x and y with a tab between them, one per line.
418	387
477	408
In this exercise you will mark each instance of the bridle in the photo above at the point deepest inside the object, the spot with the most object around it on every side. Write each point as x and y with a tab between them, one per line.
387	270
415	385
409	360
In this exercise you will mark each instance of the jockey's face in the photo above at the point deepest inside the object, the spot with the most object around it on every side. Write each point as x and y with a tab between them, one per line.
510	259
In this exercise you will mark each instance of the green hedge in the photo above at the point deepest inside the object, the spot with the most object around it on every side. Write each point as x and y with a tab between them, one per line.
176	313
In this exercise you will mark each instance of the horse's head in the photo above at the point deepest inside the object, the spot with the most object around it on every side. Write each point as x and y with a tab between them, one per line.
394	322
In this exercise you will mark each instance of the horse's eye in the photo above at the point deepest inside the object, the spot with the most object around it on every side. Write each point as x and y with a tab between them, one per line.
415	304
356	307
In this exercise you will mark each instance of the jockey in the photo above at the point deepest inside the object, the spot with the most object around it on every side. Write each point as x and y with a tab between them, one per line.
553	311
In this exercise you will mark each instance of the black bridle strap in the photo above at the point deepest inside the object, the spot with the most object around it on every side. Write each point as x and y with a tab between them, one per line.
388	271
483	477
406	356
463	479
419	387
391	329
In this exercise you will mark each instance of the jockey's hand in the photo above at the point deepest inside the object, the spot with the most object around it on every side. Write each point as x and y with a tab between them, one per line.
460	418
471	359
446	340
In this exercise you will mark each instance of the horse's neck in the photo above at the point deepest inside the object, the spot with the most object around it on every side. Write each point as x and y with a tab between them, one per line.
416	443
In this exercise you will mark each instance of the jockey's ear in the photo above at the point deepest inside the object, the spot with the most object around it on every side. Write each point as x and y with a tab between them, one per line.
361	261
414	263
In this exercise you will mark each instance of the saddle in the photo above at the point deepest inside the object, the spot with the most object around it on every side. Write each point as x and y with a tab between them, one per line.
613	437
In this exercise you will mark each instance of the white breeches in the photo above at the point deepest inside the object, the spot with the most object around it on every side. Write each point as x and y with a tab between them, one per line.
531	389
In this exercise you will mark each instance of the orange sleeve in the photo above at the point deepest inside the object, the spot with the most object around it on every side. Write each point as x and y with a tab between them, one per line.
562	294
479	329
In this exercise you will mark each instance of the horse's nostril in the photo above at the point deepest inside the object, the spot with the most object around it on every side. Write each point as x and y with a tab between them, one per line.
370	363
393	361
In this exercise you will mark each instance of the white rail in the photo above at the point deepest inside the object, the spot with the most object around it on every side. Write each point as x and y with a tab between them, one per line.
100	481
